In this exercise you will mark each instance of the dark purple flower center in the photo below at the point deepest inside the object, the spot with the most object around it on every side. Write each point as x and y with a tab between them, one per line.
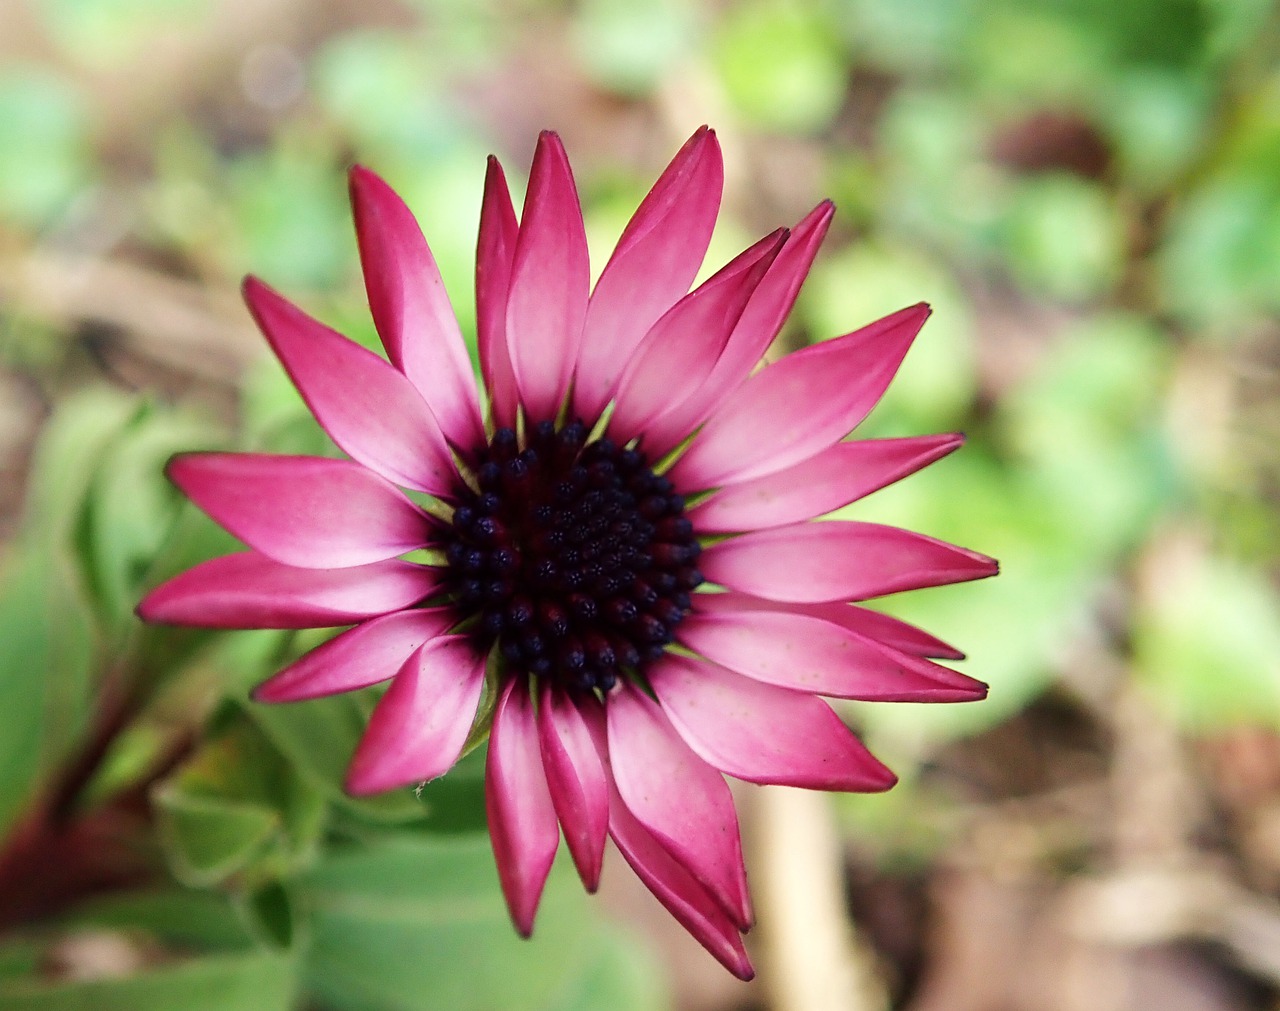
575	559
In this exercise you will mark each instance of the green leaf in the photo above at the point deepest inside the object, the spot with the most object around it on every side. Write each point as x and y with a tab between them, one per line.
206	839
236	807
258	981
44	144
407	924
318	737
1064	238
628	46
132	506
779	65
1206	639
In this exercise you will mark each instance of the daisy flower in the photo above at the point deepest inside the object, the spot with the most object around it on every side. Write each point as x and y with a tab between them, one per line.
608	563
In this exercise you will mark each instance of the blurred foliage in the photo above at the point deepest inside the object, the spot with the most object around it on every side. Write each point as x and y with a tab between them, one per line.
1087	192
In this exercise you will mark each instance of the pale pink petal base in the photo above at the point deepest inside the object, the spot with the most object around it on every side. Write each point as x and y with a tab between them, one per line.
679	798
550	280
411	309
368	408
371	652
762	733
522	817
576	779
419	726
809	654
249	590
841	474
306	511
838	560
798	406
654	263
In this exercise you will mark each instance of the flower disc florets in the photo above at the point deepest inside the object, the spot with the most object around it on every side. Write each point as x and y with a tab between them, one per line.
574	558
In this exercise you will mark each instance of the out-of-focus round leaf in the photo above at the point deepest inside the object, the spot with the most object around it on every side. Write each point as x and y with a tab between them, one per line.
1207	639
44	147
779	64
628	46
1064	238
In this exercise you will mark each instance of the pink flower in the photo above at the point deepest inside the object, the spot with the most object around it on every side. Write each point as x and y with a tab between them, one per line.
628	459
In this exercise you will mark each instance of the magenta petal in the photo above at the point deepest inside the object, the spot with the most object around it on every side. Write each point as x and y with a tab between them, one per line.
550	279
762	733
654	263
838	560
756	329
804	652
833	478
679	798
307	511
692	333
576	778
522	818
800	405
249	590
368	408
418	728
411	308
682	895
883	628
371	652
495	253
893	632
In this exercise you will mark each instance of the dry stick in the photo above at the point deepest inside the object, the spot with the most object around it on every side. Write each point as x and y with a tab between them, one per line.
813	958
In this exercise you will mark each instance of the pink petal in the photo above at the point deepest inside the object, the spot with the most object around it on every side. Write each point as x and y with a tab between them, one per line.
411	308
654	263
418	728
249	590
762	733
692	333
368	408
891	631
759	324
800	405
495	253
809	654
303	510
522	818
550	280
883	628
677	889
679	798
833	478
576	778
683	896
371	652
838	560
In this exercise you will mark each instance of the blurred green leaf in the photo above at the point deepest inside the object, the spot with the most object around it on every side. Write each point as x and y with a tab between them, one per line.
780	65
629	46
260	981
111	32
319	737
236	807
44	145
1064	238
1208	641
132	506
407	924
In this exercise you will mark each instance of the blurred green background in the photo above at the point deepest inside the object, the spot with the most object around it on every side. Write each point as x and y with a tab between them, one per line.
1088	191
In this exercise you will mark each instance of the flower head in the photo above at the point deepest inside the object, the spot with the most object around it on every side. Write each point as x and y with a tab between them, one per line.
618	568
